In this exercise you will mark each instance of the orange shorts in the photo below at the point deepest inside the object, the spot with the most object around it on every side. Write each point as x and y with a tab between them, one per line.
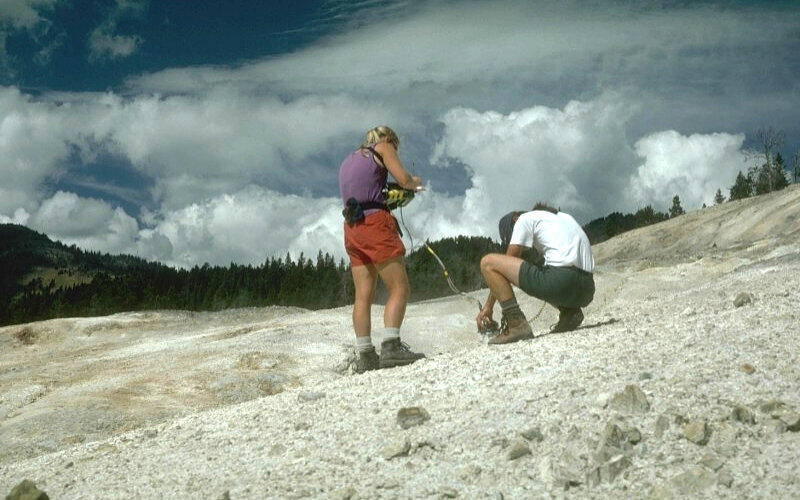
373	240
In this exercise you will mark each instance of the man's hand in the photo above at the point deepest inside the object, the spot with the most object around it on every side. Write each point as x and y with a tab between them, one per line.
484	318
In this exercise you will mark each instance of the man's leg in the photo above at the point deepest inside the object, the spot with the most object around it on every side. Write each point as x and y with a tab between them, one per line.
500	271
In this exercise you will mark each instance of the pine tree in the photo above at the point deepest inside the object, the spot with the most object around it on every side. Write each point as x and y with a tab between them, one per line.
779	180
742	187
676	209
718	198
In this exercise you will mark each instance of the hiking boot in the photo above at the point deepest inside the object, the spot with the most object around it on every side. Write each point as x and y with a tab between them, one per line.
396	353
513	328
366	361
569	319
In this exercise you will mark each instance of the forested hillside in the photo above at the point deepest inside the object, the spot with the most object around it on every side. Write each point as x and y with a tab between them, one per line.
42	279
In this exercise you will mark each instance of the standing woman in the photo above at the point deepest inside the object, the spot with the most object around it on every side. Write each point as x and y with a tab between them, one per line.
374	246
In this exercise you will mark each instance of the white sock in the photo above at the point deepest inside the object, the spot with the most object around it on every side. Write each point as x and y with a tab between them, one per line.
364	344
391	333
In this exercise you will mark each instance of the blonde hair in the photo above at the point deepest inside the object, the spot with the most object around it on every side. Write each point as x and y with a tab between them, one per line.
381	133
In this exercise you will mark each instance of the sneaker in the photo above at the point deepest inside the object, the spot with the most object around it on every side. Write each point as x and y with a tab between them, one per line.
397	353
569	319
513	328
366	361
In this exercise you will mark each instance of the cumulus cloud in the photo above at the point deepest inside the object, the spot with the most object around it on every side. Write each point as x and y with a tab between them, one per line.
18	15
579	158
561	101
692	167
105	43
576	157
89	223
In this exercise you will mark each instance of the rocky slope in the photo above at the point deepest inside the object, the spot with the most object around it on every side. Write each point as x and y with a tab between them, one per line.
682	382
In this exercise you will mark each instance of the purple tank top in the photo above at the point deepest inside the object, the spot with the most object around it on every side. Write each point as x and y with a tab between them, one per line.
361	177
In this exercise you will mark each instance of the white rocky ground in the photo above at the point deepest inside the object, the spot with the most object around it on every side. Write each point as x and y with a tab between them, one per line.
258	403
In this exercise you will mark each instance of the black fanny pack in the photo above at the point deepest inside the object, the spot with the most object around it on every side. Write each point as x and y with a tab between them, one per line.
354	210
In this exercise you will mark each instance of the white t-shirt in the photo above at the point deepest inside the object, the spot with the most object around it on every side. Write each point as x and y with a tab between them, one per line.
556	236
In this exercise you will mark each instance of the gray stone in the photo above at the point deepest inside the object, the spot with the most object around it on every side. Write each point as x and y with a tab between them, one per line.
693	481
533	434
743	414
517	449
645	376
410	417
302	426
776	425
389	484
662	425
226	495
630	400
396	448
747	368
633	435
773	407
725	479
611	443
27	490
447	492
608	472
712	462
697	432
565	472
499	442
310	396
792	420
343	493
469	471
150	433
742	299
660	492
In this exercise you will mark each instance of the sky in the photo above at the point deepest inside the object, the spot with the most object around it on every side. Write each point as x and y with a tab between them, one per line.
207	131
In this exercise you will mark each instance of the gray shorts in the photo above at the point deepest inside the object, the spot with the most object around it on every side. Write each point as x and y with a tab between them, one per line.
560	286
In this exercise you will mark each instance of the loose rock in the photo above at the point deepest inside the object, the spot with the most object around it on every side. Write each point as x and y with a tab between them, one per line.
743	414
697	432
662	425
712	462
448	492
533	434
792	420
608	472
742	299
518	449
693	481
747	368
310	396
397	448
630	400
725	479
343	493
27	490
413	416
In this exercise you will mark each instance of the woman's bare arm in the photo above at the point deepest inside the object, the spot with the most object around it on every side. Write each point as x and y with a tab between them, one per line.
392	163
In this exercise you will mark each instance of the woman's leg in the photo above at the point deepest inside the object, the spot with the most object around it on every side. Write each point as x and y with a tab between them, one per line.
393	274
364	279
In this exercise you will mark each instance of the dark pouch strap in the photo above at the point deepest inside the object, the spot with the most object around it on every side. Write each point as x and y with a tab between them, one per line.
353	212
376	155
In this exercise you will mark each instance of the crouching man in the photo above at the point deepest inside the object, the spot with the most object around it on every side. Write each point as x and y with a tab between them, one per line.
564	281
